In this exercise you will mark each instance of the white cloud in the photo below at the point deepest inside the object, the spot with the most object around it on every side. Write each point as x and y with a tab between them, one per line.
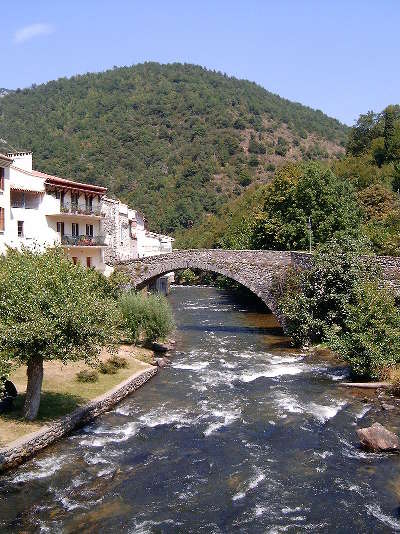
31	31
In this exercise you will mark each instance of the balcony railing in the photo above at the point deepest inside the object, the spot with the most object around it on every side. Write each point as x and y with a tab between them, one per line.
25	204
79	209
83	240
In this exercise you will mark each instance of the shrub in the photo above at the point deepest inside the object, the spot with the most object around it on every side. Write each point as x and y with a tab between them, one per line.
118	362
370	339
87	375
394	377
107	368
158	318
146	315
314	299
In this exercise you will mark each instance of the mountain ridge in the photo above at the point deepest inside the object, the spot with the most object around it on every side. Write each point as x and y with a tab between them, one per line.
174	140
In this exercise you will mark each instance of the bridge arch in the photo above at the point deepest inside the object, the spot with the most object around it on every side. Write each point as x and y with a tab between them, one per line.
253	269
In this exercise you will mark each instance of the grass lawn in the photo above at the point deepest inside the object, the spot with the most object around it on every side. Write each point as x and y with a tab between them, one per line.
62	393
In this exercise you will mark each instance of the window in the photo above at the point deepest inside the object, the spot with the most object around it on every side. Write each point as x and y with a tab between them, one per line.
89	203
122	235
2	178
20	225
88	262
74	260
89	230
75	229
74	199
60	228
1	219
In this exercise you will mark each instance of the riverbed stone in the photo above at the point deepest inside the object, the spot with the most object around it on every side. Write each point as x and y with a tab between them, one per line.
387	407
162	362
378	438
161	347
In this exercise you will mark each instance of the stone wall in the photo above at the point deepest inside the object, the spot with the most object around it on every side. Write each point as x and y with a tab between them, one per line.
254	269
27	446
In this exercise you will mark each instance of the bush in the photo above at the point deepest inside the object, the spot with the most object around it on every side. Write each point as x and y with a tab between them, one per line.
339	301
146	315
107	368
87	375
394	377
370	339
118	362
312	300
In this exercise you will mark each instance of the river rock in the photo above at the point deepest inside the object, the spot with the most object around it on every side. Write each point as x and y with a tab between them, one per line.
378	438
161	347
387	407
162	362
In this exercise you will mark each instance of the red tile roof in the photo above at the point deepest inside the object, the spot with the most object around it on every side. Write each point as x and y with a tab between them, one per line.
64	183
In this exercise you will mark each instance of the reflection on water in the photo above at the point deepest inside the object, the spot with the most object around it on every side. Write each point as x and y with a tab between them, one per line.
241	434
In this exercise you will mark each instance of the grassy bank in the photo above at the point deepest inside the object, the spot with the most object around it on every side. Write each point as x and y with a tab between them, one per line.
62	393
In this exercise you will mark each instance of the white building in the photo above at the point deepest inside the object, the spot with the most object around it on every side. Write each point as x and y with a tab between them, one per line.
38	209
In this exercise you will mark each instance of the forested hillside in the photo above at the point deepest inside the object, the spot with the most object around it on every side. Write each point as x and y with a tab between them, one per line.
356	196
177	141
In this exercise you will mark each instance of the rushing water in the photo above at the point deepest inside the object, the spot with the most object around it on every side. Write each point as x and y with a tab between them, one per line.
240	434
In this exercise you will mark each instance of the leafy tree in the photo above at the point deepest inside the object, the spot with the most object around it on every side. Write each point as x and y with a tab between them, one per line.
50	309
378	201
298	192
370	337
362	134
316	299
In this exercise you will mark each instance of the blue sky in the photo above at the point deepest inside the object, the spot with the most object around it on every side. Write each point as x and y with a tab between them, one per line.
338	56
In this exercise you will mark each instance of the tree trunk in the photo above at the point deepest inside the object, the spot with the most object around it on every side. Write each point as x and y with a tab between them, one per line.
33	388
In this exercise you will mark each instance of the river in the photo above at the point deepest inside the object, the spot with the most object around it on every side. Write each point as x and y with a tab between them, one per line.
241	434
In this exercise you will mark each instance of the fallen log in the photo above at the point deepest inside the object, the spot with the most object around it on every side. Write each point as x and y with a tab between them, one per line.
365	385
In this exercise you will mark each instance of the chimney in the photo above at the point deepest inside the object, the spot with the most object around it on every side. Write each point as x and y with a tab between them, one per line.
22	160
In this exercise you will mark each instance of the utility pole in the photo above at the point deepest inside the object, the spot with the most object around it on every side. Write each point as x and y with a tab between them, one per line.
310	232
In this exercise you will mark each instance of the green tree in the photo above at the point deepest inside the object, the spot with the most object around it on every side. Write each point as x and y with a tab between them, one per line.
370	337
50	309
298	192
316	299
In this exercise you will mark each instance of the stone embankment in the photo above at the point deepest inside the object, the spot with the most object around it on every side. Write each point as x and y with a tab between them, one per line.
22	449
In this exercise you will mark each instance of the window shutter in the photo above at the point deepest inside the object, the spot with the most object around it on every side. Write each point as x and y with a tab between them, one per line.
1	219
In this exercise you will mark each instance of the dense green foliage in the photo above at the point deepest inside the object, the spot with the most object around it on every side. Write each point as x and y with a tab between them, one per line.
176	141
298	193
339	301
370	338
314	300
146	316
276	216
51	309
359	195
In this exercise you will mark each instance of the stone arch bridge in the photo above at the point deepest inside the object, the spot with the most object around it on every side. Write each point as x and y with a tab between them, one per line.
254	269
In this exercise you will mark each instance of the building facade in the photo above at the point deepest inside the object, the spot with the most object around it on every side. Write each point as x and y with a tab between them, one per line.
41	210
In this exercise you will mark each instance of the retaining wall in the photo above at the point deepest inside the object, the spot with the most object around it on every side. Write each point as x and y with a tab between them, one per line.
25	447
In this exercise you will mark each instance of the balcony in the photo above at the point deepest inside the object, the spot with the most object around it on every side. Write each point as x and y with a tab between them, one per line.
24	204
83	241
80	209
68	208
